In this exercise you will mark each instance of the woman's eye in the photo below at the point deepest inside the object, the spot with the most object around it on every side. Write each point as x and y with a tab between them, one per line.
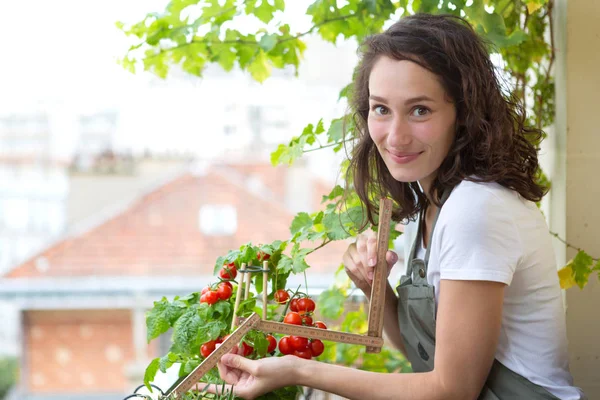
420	111
380	110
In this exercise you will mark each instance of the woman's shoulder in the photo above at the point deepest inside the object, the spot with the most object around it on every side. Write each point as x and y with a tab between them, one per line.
478	206
477	198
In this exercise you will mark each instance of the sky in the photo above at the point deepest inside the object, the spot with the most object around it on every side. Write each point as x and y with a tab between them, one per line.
61	56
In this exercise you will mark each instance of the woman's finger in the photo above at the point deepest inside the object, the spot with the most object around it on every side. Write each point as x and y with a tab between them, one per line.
371	257
392	258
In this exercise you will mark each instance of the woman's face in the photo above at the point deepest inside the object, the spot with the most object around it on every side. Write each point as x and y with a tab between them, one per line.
411	119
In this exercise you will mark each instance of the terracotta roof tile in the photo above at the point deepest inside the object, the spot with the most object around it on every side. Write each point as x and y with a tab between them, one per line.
159	234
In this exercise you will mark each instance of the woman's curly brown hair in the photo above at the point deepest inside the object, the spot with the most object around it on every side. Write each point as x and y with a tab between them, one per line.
492	142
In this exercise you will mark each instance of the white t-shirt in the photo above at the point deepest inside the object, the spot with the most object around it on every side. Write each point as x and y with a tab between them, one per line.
488	232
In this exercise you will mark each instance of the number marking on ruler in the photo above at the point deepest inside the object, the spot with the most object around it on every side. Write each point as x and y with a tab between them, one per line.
317	333
376	305
211	361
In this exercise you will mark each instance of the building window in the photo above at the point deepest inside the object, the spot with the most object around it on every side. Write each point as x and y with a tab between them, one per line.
217	220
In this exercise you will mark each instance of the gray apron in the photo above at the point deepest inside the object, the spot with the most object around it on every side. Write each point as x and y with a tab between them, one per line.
416	315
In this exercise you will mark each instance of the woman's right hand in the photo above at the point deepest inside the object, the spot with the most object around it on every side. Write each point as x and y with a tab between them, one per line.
360	260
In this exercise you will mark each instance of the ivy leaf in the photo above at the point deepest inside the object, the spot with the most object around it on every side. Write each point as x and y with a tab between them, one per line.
346	91
285	264
336	192
331	303
265	11
428	6
162	316
286	154
301	221
259	68
300	264
534	5
268	42
336	131
582	268
343	225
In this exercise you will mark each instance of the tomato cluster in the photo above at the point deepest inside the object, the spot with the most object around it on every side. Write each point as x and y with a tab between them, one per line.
223	291
301	311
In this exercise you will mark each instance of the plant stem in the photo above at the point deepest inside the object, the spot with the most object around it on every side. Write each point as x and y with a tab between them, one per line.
569	245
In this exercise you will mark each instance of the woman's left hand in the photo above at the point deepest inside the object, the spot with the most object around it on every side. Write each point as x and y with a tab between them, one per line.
252	378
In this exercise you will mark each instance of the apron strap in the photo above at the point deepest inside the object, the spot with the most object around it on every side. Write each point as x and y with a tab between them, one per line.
413	249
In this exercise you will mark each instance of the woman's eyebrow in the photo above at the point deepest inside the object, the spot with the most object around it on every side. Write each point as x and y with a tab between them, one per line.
411	100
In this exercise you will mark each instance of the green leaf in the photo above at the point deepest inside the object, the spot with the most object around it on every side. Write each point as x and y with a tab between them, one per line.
246	307
428	6
534	5
336	131
221	310
582	268
166	362
265	11
190	365
267	42
150	373
331	303
162	316
345	92
285	264
259	68
301	221
185	332
336	192
210	331
343	225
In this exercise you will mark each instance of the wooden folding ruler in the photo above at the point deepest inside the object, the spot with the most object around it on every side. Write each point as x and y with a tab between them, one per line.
373	340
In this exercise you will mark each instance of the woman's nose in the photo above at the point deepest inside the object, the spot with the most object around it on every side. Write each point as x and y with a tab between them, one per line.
399	134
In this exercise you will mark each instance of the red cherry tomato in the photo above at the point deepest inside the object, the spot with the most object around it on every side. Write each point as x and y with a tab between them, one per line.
316	347
272	343
228	272
247	349
262	256
294	305
206	289
284	346
303	354
210	298
306	304
281	296
224	291
306	319
293	318
298	342
320	325
207	348
219	340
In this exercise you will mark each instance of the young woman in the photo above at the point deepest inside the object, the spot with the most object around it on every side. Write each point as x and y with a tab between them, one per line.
479	312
